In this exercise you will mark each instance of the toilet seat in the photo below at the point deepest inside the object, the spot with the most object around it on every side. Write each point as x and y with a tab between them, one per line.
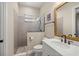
37	50
38	47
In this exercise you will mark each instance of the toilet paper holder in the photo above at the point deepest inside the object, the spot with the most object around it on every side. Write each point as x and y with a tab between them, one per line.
30	38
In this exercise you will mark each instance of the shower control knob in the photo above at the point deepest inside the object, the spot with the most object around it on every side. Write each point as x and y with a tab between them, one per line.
30	39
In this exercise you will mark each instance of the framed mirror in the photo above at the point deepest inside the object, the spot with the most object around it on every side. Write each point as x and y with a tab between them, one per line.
58	20
66	17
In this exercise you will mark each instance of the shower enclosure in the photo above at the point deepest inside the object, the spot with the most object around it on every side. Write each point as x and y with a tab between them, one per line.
29	24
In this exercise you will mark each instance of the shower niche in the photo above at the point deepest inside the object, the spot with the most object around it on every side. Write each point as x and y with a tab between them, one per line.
34	24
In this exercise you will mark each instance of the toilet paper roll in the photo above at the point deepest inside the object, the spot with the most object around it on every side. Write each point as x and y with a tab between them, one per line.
31	37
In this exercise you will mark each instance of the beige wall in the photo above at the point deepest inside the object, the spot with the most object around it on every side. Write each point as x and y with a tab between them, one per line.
28	11
15	15
46	9
68	14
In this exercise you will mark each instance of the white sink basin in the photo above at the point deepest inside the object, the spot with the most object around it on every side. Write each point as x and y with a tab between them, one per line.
60	44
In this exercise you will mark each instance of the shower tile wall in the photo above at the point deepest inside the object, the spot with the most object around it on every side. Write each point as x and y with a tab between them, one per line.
24	27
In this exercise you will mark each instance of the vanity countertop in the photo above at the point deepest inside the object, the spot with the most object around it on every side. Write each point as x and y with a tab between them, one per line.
62	48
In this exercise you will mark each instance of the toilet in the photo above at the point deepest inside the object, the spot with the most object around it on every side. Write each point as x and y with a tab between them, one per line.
37	50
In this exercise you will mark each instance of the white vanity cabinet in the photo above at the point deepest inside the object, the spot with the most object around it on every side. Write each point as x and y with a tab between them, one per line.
48	51
54	47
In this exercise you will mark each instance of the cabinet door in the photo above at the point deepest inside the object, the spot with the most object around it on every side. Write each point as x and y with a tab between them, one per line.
45	50
48	51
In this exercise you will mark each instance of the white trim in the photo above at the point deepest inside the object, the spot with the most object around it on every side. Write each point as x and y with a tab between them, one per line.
5	16
3	19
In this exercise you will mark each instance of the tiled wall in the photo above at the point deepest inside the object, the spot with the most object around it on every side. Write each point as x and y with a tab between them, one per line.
24	27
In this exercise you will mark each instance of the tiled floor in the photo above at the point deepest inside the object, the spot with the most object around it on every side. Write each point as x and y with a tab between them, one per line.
23	51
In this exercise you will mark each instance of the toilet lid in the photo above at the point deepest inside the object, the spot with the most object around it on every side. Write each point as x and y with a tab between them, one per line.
38	47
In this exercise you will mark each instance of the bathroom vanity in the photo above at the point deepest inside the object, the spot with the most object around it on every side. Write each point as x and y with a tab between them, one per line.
54	47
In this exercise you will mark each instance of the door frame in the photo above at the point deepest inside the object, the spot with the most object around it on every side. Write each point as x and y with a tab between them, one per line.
3	18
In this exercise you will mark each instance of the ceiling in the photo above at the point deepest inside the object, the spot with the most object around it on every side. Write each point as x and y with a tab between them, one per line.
31	4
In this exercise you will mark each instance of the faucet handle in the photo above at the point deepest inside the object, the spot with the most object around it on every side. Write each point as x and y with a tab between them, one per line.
64	36
69	42
61	40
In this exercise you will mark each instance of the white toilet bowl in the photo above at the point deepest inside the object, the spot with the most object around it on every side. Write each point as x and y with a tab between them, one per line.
37	50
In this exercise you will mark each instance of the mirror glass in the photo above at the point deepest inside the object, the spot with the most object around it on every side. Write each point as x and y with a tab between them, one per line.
67	19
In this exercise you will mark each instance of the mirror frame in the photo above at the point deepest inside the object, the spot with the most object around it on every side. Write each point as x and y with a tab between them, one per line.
55	16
